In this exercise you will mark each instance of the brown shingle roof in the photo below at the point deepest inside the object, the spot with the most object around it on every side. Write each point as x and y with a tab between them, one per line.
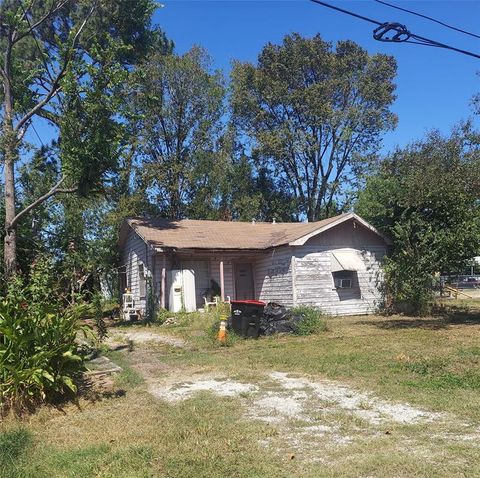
193	234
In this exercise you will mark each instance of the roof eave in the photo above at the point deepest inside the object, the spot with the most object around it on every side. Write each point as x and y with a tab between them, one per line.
303	239
210	249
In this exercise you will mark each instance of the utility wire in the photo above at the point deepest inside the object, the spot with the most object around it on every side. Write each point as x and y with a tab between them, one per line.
36	133
400	32
428	18
333	7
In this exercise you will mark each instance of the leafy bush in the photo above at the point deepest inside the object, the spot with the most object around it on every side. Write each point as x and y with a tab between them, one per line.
162	315
38	355
409	286
100	325
110	308
39	359
312	320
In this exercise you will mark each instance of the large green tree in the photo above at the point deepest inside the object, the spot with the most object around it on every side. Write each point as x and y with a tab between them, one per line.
426	197
314	114
62	61
178	102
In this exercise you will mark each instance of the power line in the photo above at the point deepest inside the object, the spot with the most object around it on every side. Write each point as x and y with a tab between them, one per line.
399	32
36	133
428	18
333	7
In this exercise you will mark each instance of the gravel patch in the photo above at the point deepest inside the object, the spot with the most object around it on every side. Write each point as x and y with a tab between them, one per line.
274	407
296	399
178	392
309	418
144	337
332	396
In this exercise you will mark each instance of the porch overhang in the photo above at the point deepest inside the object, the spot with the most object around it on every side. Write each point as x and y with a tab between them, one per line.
209	251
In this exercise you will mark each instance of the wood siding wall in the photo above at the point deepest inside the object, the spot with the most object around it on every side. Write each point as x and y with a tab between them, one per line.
273	276
134	252
314	281
158	277
347	234
313	278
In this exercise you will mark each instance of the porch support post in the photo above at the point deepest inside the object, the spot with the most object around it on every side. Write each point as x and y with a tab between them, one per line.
164	281
222	282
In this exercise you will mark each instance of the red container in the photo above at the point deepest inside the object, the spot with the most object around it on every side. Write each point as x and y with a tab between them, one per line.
255	302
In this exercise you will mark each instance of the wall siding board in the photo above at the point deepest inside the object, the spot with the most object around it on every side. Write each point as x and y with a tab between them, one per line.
314	280
136	251
158	277
273	276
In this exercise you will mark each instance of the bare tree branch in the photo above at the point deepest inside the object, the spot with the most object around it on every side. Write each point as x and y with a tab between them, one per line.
35	25
55	190
52	93
56	87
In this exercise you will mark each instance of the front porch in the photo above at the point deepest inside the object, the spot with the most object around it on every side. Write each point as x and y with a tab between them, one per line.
228	275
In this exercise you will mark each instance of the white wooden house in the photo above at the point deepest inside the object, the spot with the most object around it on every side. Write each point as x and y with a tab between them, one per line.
334	264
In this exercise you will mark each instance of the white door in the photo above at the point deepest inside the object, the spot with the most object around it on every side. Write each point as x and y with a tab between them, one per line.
176	291
202	279
189	299
182	290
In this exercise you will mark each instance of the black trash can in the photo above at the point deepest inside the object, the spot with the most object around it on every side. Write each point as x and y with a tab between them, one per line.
246	316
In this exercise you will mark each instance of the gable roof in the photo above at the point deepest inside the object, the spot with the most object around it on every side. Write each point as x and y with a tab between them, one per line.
194	234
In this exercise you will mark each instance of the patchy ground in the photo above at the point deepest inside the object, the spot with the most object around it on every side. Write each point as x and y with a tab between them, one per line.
386	397
142	336
305	412
307	415
280	396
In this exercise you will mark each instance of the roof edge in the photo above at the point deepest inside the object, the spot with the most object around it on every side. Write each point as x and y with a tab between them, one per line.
346	217
128	225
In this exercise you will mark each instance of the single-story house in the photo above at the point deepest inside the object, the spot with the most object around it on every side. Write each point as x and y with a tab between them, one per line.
333	264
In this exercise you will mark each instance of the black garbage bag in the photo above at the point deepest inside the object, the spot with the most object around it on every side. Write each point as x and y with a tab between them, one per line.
277	319
280	327
273	312
264	325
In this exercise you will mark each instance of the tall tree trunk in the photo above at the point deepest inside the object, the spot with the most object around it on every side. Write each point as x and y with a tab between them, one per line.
10	147
10	242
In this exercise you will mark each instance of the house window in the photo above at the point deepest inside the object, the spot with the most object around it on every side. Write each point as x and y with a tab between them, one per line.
344	279
142	283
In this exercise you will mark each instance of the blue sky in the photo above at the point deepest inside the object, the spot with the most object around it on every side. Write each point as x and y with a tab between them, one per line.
434	86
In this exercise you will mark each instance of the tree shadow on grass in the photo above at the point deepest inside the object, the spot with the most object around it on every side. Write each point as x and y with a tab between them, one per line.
443	317
98	388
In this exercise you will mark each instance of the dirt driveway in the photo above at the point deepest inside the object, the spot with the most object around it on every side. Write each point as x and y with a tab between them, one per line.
308	415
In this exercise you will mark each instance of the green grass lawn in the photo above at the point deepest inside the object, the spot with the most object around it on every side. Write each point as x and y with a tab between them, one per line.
432	363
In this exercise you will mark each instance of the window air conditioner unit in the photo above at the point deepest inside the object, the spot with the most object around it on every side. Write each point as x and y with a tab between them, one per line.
344	283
